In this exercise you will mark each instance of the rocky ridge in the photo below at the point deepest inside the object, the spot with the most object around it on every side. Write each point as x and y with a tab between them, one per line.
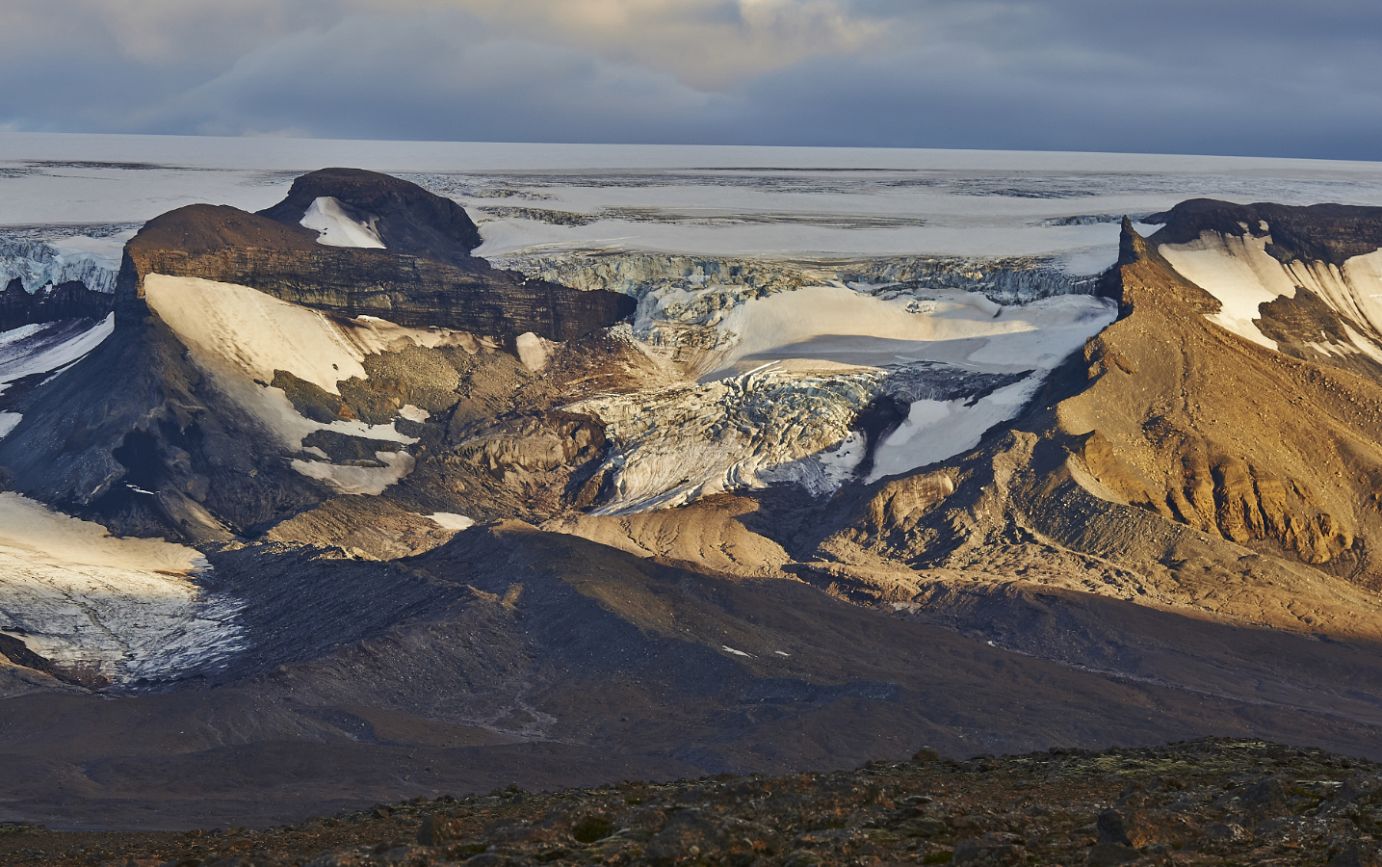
1167	423
230	246
69	300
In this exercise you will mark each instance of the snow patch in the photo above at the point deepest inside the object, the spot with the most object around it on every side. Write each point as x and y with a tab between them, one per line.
126	608
1239	272
451	521
414	414
8	422
727	649
241	337
260	334
1242	275
832	326
359	480
335	228
935	430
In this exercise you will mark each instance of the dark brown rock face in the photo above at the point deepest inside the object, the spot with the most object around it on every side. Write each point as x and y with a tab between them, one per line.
228	245
71	300
1324	233
409	219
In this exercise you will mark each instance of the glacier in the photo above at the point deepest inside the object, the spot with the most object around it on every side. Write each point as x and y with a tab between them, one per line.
980	270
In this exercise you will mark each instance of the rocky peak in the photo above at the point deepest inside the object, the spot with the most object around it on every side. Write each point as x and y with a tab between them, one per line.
407	218
1143	275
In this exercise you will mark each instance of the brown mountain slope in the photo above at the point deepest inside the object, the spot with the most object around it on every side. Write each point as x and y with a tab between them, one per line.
513	655
1175	464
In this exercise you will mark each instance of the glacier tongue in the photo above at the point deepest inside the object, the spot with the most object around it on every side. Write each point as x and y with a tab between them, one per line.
1007	280
780	369
124	609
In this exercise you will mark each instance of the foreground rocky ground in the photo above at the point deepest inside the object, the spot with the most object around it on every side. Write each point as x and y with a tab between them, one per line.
1201	802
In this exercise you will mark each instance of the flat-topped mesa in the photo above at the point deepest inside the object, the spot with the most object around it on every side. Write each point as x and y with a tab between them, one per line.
402	215
430	279
1327	233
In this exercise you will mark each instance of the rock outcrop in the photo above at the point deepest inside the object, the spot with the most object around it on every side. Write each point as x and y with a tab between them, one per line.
71	300
408	219
231	246
1324	233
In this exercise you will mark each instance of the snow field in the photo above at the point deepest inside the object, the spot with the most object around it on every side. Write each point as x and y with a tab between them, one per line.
241	336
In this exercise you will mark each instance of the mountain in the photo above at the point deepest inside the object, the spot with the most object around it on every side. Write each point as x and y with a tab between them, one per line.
1171	453
394	214
331	511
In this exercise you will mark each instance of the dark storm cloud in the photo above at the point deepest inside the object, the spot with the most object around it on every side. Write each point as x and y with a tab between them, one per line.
1268	78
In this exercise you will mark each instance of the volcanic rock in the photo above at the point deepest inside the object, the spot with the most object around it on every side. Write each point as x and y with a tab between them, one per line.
231	246
408	219
70	300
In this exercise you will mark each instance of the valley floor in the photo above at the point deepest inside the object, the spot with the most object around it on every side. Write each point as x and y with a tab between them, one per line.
1198	802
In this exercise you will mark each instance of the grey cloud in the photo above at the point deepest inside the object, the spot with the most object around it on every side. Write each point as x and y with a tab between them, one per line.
438	74
1266	77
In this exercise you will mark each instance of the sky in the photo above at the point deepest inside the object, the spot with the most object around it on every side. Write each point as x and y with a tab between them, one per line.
1248	77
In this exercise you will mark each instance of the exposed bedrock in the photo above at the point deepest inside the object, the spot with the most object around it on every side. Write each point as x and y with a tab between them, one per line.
407	218
71	300
1331	234
285	260
1160	462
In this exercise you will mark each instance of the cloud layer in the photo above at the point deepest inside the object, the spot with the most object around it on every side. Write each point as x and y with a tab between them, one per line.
1263	77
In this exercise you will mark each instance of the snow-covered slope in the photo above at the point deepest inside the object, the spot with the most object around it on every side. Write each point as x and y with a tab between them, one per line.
47	347
1239	271
243	338
123	609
